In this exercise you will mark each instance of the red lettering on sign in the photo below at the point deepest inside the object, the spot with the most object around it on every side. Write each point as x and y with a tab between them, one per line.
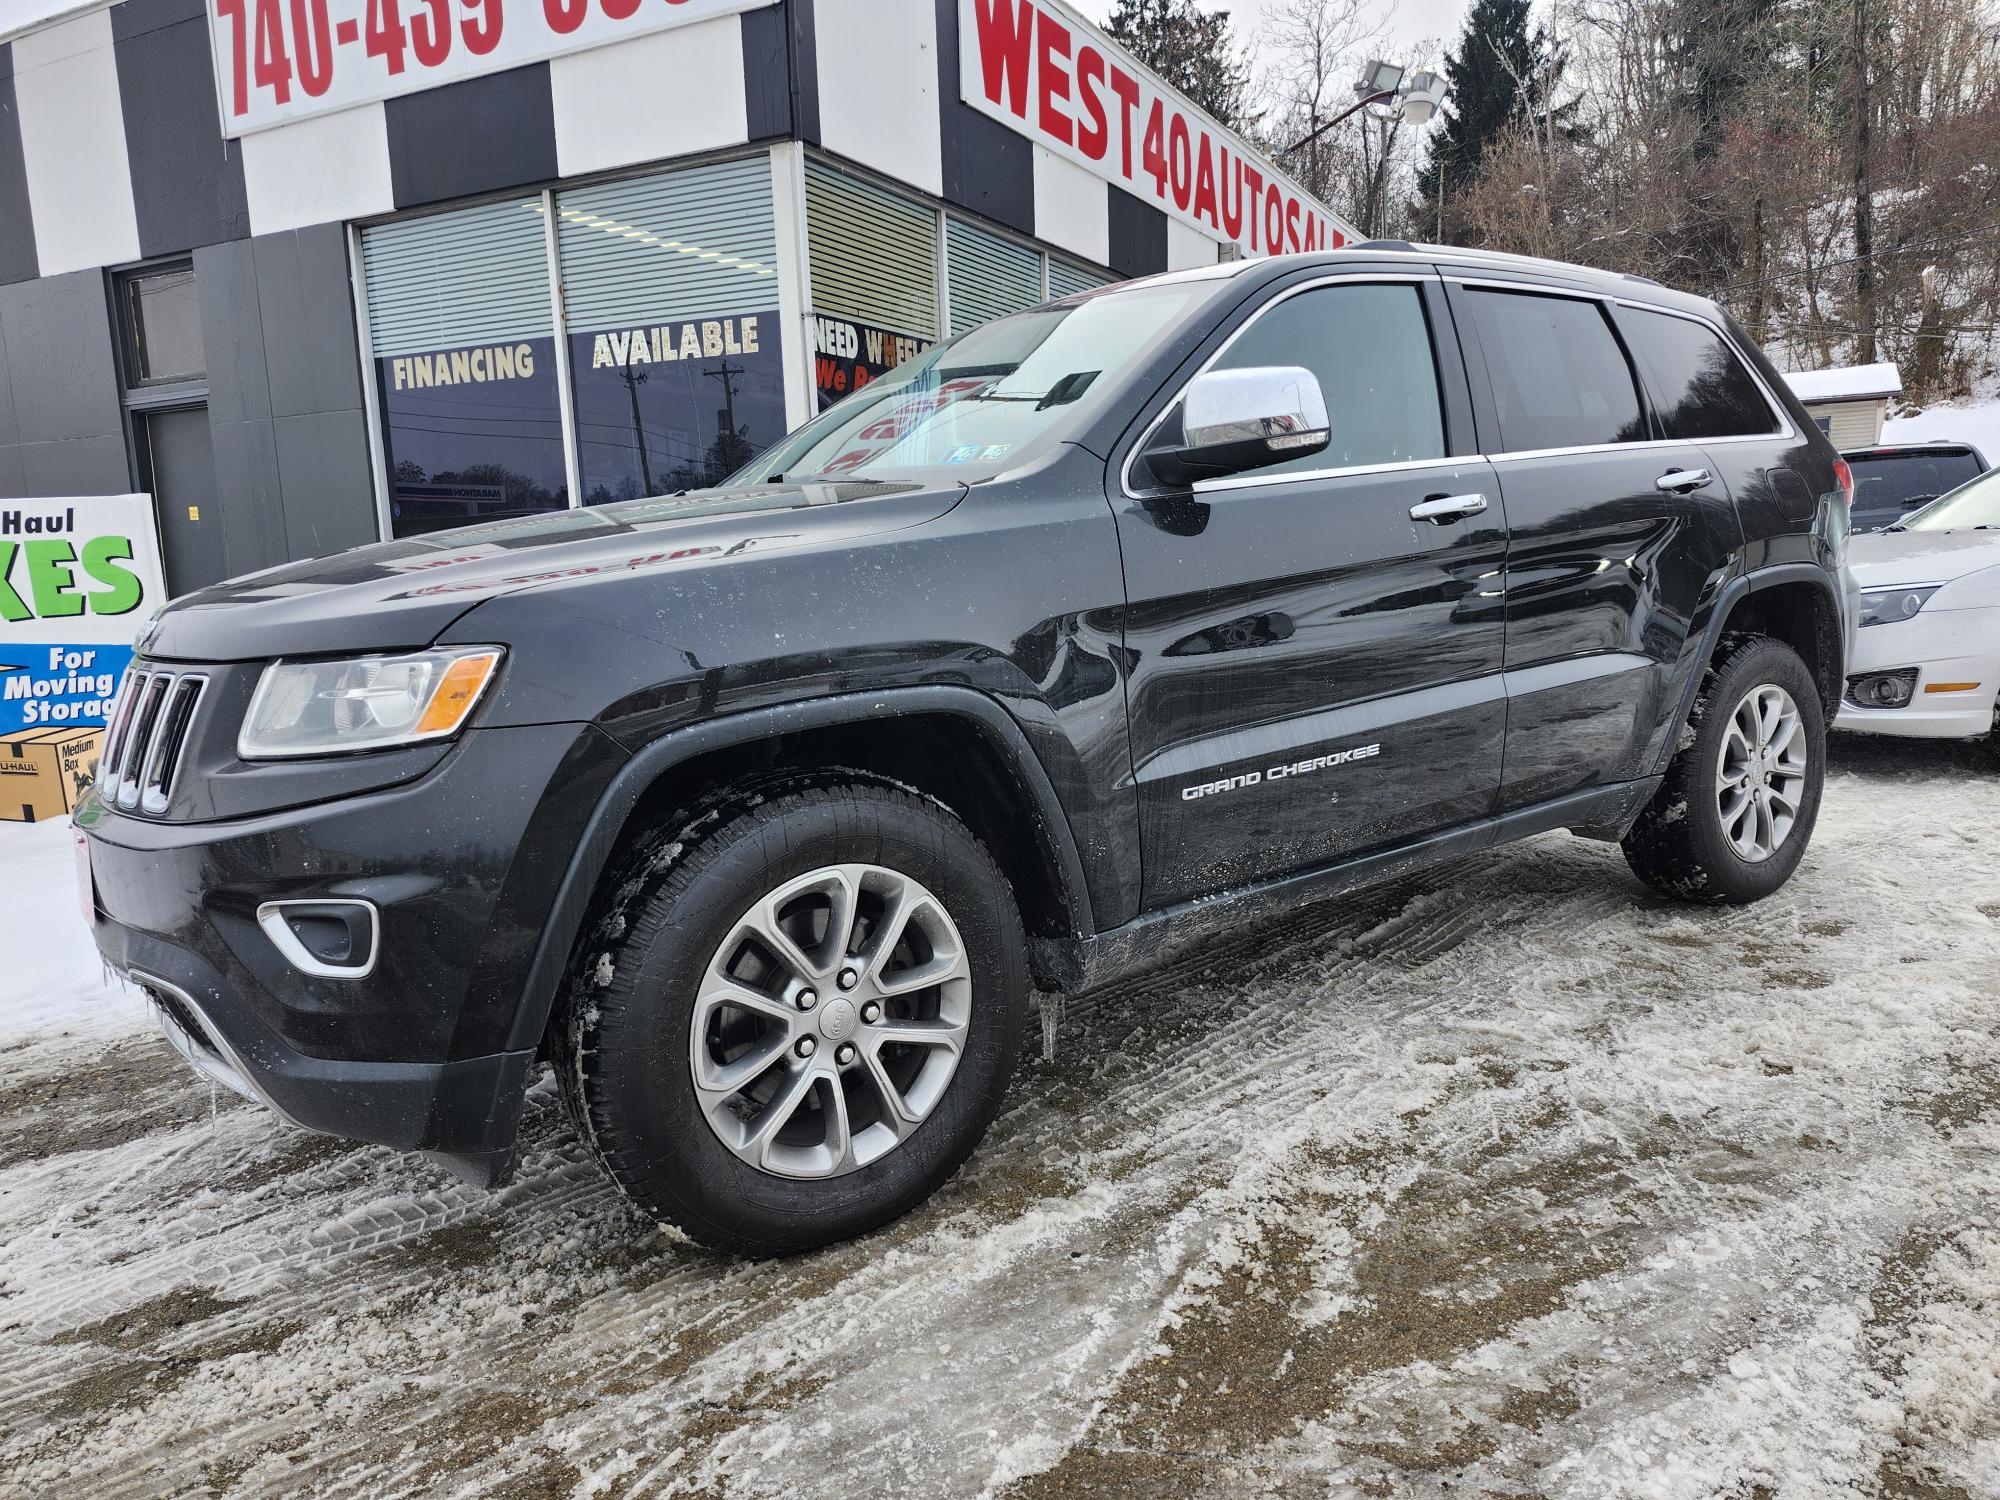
239	80
1254	201
1004	33
1204	184
1055	79
273	69
1154	157
1126	87
564	16
1093	138
1183	161
313	37
430	36
386	36
481	37
1052	42
1232	196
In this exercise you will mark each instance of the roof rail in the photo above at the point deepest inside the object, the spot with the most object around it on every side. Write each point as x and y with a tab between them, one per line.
1403	245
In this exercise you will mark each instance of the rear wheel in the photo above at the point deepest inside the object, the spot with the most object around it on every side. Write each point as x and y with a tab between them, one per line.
1736	811
803	1019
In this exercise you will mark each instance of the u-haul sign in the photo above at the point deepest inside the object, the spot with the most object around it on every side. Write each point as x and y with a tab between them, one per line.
1045	74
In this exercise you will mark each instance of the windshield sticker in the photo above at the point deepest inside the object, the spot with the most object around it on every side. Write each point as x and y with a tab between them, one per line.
996	450
963	455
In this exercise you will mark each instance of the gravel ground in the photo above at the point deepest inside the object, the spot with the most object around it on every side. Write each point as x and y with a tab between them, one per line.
1512	1180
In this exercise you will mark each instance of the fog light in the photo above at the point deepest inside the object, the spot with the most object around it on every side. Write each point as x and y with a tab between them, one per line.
1883	689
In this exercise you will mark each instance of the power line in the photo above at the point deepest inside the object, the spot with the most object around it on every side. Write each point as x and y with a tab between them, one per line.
1912	247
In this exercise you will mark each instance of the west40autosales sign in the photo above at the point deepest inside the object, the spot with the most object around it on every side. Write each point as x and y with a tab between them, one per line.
1047	76
283	60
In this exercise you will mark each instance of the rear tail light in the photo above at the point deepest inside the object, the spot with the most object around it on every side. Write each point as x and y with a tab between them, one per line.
1843	475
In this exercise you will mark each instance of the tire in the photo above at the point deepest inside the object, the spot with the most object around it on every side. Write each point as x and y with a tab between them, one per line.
628	1048
1681	845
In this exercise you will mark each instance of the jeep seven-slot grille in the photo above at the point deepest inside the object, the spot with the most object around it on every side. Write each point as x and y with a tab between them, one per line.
149	730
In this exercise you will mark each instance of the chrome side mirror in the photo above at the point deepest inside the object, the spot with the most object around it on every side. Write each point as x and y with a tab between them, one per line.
1230	421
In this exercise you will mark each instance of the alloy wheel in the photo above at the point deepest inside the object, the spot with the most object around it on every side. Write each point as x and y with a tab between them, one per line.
830	1021
1760	774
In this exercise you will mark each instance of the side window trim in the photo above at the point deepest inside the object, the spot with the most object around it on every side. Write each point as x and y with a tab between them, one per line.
1487	417
1420	280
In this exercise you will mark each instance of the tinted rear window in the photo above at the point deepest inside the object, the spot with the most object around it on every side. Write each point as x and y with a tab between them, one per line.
1560	380
1702	388
1887	485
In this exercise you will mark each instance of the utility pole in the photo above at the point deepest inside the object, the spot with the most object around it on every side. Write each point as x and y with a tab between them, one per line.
1864	204
633	380
727	373
730	451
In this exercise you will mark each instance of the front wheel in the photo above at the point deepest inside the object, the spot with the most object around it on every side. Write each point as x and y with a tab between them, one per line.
1734	815
802	1020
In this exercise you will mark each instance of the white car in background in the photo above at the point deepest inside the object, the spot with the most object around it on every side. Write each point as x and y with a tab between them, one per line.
1926	658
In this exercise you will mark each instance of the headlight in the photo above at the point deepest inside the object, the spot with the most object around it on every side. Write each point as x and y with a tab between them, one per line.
1887	606
365	702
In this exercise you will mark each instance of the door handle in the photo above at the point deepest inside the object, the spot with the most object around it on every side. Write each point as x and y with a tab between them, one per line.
1682	481
1442	510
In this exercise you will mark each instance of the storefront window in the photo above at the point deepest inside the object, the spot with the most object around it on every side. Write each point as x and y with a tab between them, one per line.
874	280
670	288
989	276
465	365
1067	279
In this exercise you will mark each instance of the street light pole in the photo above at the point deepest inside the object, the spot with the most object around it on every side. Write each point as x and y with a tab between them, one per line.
1380	97
1416	97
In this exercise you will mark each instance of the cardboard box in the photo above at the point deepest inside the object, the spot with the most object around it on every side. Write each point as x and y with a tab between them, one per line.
45	772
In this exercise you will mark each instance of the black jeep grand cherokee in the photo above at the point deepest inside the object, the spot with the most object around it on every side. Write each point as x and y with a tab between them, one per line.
1103	628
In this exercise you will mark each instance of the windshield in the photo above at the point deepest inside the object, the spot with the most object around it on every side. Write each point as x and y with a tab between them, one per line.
1888	484
973	405
1974	507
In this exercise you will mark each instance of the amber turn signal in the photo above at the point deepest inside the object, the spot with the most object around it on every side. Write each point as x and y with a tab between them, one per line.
457	691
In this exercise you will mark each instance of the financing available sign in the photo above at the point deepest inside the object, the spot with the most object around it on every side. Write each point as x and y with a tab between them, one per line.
1047	75
78	577
282	60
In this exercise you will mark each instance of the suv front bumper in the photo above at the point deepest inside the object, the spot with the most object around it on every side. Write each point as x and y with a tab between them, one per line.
431	1049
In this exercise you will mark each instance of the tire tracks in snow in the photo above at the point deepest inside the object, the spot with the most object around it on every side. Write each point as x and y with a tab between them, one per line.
1457	1156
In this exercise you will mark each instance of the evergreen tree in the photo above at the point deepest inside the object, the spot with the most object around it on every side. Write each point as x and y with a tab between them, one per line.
1192	49
1503	75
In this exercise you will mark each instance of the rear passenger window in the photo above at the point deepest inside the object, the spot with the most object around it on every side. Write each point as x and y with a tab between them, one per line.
1560	379
1370	346
1703	389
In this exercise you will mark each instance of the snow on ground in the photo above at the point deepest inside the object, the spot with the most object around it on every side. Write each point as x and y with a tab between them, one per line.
50	975
1511	1179
1977	424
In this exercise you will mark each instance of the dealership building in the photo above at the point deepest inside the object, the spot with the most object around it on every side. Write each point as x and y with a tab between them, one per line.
313	273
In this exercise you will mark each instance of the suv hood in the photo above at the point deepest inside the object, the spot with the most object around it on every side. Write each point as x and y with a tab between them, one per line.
402	595
1897	559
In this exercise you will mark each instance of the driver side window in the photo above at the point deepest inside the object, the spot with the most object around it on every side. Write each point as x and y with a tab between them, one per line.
1370	346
